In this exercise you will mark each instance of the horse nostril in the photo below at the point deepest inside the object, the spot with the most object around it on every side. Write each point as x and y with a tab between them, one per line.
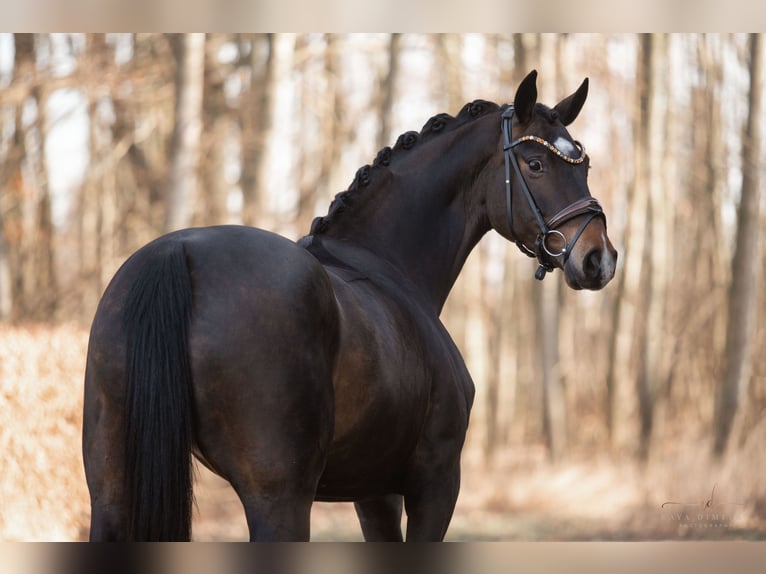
591	266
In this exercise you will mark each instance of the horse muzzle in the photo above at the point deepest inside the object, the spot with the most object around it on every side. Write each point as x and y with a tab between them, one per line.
592	264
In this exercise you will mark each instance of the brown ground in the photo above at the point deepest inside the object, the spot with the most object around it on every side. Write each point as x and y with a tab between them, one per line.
522	497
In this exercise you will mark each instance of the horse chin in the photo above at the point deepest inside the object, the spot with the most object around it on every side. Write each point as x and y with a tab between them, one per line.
572	281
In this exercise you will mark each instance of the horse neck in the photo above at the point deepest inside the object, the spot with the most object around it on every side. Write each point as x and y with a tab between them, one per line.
425	212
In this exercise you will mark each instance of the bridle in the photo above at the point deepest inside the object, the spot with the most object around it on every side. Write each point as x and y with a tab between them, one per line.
586	206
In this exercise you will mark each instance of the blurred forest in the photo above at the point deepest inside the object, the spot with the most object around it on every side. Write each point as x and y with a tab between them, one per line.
108	141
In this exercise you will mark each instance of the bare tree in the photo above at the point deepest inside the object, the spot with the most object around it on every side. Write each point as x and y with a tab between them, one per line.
12	206
335	131
548	303
143	117
742	290
256	113
185	146
652	56
217	121
25	203
90	208
616	357
698	312
388	90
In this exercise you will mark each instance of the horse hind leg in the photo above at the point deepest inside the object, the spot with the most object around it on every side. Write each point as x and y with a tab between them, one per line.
381	518
271	445
108	520
277	493
104	469
285	516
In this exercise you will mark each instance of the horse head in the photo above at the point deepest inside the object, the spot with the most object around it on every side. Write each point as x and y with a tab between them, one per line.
547	208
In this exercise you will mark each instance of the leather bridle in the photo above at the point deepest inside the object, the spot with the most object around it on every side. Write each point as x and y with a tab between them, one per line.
585	206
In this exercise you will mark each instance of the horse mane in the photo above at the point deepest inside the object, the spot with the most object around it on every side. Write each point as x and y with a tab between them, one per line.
368	179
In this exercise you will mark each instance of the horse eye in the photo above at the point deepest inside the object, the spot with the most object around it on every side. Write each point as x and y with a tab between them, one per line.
535	165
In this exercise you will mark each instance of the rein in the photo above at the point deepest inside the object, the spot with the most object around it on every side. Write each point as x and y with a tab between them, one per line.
586	206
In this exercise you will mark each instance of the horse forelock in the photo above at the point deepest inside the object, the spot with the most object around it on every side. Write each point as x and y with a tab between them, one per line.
408	141
548	114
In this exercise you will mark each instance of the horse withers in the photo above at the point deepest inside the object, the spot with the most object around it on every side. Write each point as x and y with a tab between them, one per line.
319	370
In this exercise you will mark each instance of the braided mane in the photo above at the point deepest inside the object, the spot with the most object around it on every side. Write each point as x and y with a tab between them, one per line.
368	175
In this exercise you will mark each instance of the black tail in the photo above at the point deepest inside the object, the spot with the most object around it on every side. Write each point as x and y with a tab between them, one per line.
158	402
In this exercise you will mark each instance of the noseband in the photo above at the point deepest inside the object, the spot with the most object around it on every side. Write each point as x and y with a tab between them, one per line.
586	206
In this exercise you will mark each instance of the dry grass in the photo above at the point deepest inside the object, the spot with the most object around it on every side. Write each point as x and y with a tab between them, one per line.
42	488
522	497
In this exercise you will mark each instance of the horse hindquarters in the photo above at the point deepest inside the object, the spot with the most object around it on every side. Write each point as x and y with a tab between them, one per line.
263	343
251	369
137	422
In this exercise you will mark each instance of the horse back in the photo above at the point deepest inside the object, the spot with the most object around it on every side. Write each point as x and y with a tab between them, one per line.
244	280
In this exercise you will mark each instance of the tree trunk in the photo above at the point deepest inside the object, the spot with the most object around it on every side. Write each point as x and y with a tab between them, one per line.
256	113
388	89
335	130
547	305
42	281
645	178
699	342
626	349
742	290
89	209
309	148
185	146
13	192
143	124
27	262
212	199
650	372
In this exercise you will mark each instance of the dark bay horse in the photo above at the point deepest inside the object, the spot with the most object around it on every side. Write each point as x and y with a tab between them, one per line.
319	370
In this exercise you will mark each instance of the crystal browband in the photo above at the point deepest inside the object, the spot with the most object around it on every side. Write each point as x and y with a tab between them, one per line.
553	148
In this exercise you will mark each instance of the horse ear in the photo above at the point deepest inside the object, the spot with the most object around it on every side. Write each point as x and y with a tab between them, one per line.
569	107
526	96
